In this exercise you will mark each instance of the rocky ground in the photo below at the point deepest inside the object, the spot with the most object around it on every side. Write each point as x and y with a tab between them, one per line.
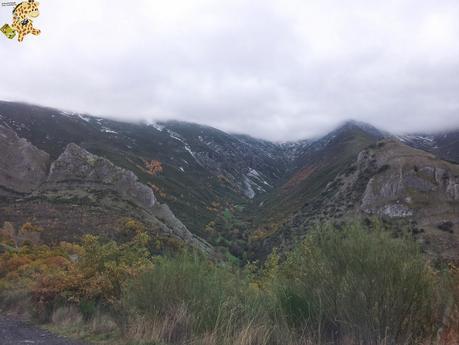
16	332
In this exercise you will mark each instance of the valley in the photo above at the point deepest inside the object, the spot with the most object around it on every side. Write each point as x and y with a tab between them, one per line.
164	232
242	195
229	172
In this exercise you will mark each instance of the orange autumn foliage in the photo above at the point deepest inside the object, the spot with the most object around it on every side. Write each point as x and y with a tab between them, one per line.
154	167
95	270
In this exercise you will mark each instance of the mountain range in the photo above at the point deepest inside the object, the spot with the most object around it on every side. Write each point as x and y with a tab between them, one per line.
75	173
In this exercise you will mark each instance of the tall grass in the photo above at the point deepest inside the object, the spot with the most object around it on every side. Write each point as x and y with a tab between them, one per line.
194	293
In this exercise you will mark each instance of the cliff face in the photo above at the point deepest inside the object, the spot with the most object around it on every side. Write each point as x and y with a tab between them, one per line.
406	179
76	168
23	167
79	193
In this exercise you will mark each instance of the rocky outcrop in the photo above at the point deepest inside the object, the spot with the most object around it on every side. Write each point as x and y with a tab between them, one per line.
410	189
407	181
453	188
76	168
23	167
79	193
414	190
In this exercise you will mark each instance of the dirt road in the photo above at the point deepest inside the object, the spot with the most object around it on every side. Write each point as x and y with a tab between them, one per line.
13	332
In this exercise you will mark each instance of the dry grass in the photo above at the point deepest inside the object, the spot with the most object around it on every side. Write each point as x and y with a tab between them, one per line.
101	329
176	329
15	302
173	328
67	316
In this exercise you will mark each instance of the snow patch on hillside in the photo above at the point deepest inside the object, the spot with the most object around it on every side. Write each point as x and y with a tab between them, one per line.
68	113
255	175
187	147
248	190
155	125
85	118
108	130
419	141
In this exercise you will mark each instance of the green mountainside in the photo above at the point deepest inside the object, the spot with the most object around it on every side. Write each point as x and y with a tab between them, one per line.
244	194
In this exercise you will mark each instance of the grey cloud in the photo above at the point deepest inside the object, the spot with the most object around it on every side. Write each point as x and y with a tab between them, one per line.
276	69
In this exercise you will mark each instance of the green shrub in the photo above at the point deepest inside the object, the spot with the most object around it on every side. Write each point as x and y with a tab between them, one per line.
87	309
360	284
349	285
211	293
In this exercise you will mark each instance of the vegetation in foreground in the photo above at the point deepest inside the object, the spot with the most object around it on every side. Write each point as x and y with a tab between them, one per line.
346	286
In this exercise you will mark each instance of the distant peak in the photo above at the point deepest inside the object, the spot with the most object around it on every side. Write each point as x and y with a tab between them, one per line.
356	123
366	127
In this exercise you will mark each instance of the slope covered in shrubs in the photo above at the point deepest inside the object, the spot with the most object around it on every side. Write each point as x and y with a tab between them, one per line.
351	285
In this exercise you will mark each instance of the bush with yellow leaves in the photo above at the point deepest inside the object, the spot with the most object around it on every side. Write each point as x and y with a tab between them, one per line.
91	273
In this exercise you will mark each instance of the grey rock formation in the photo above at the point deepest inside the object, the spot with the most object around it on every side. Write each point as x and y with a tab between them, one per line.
23	167
396	211
79	193
409	188
406	180
453	189
172	225
76	166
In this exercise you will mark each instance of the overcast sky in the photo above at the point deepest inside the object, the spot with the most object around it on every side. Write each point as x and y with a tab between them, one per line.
275	69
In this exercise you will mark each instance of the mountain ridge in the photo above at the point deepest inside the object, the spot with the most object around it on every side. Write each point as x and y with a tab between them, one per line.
423	140
236	191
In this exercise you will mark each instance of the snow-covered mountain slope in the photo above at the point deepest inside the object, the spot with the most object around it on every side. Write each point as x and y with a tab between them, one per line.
445	145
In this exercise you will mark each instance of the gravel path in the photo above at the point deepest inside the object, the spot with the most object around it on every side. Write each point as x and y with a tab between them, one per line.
13	332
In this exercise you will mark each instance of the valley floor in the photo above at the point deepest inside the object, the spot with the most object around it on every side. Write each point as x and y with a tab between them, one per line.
15	332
